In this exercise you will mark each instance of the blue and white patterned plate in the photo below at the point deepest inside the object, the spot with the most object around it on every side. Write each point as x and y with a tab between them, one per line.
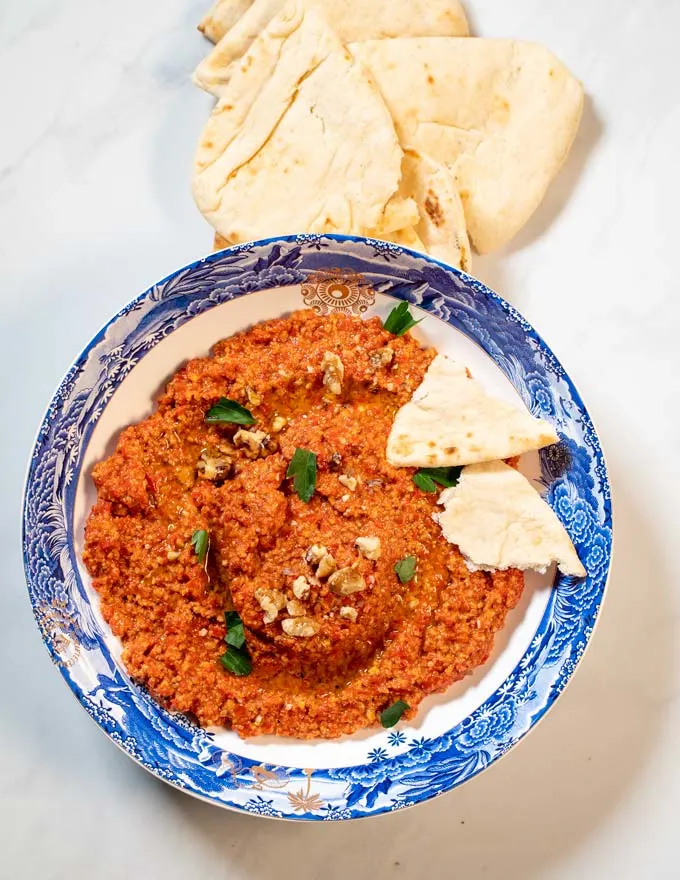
455	735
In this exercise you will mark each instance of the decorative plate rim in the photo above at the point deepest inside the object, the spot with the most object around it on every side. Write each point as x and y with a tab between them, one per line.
170	746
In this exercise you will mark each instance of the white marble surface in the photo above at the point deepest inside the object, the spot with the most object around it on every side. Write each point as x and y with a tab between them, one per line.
97	130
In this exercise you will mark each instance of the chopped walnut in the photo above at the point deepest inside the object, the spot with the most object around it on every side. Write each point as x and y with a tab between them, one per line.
346	581
334	372
254	398
348	613
348	482
295	608
381	357
271	602
300	627
278	424
319	556
369	547
255	442
315	554
301	587
327	565
335	461
212	467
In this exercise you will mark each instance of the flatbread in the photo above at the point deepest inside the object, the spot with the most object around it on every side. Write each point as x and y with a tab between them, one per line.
499	521
501	115
407	237
451	421
222	16
441	225
300	141
351	19
220	243
393	213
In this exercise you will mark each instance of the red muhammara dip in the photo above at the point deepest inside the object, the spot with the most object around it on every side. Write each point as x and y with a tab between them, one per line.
332	635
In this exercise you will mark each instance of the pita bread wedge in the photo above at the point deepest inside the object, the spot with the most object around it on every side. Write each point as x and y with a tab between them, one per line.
300	141
222	16
451	421
499	521
351	20
501	115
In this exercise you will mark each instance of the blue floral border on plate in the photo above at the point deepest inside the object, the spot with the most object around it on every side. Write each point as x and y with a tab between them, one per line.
401	772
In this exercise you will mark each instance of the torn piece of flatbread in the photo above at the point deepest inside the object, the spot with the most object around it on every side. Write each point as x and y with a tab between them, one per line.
451	421
499	521
441	226
300	141
350	19
222	16
502	115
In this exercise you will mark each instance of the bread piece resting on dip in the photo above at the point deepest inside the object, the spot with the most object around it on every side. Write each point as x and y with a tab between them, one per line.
452	421
499	521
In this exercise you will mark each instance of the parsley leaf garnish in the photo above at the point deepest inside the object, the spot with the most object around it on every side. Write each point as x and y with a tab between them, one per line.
228	411
400	320
426	478
390	716
302	468
406	568
201	544
236	661
235	634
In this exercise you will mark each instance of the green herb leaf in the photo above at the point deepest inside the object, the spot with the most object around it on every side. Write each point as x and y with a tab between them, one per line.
424	482
426	478
406	569
400	320
235	634
390	716
236	661
201	544
228	411
302	468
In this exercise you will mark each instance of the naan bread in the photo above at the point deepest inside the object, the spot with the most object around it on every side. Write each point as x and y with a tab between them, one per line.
222	16
451	421
300	141
499	521
350	19
501	115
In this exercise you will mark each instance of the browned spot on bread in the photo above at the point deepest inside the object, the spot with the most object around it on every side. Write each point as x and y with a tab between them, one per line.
430	79
220	242
434	209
